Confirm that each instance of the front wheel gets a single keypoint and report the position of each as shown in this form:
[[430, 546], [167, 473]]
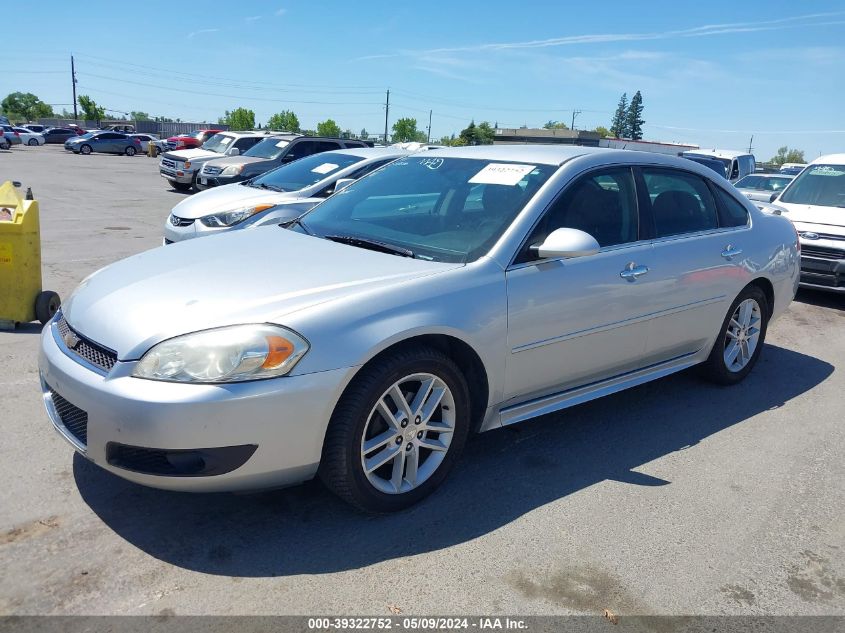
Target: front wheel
[[130, 151], [397, 430], [740, 340], [180, 186], [85, 149], [32, 142]]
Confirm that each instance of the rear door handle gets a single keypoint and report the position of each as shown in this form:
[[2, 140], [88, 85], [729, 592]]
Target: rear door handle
[[632, 271], [731, 252]]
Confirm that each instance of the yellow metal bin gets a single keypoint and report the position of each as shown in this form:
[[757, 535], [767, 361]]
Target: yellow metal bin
[[21, 297]]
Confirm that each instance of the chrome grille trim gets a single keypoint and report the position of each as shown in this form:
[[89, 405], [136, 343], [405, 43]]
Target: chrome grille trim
[[95, 355]]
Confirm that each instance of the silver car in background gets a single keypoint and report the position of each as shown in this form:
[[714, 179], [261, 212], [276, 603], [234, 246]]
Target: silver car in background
[[276, 196], [449, 292], [761, 187]]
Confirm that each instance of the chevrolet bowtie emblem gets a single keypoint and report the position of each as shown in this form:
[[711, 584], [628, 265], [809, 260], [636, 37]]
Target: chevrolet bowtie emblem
[[70, 339]]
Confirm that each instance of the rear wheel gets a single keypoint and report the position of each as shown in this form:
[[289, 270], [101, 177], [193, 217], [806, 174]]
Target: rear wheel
[[85, 149], [740, 340], [397, 430]]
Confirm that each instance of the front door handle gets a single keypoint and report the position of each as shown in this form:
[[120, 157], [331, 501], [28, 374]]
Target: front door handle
[[731, 252], [632, 271]]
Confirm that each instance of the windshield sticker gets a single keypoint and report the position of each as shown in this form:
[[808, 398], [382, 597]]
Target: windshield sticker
[[324, 168], [501, 174], [282, 143], [226, 140], [431, 163], [828, 170]]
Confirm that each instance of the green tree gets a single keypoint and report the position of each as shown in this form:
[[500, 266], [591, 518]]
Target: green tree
[[634, 118], [619, 125], [602, 131], [405, 130], [239, 119], [468, 135], [484, 134], [284, 120], [90, 110], [364, 134], [328, 128], [786, 155], [555, 125], [25, 106]]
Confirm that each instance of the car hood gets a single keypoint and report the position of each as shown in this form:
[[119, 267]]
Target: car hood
[[257, 276], [237, 160], [190, 154], [228, 198], [831, 217]]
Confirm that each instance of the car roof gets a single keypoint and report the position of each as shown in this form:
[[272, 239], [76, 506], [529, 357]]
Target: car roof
[[527, 153], [719, 153], [371, 152], [830, 159]]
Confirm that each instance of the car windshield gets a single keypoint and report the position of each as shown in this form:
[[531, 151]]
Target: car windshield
[[305, 171], [268, 148], [439, 209], [217, 143], [822, 185], [764, 183]]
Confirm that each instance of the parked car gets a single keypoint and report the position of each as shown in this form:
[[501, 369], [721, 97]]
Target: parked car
[[12, 137], [192, 140], [815, 202], [123, 128], [104, 142], [266, 155], [761, 186], [712, 163], [449, 292], [278, 196], [181, 168], [58, 134], [28, 137], [34, 127], [144, 140], [792, 169], [737, 164]]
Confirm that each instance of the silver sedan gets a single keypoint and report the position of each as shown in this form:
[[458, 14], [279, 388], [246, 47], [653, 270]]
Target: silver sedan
[[446, 293]]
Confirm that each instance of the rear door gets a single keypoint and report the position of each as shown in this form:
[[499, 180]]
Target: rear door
[[698, 259]]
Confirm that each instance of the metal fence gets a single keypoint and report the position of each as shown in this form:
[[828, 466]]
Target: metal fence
[[161, 128]]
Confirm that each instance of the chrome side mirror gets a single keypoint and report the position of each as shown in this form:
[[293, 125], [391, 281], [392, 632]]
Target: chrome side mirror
[[566, 242]]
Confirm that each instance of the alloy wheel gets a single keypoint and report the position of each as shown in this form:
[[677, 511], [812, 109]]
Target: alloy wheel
[[742, 335]]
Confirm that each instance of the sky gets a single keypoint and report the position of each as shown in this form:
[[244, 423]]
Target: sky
[[711, 73]]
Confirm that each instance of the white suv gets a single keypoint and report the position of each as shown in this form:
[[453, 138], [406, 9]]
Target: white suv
[[815, 202], [180, 168]]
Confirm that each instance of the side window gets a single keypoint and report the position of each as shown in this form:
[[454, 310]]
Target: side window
[[680, 202], [734, 169], [325, 146], [731, 212], [603, 204], [244, 144], [299, 150], [369, 168]]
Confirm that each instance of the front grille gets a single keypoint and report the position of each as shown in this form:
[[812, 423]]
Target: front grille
[[822, 252], [95, 354], [165, 162], [177, 221], [211, 171], [74, 419]]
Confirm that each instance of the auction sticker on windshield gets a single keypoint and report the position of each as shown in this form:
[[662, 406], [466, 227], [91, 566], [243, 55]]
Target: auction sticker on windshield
[[324, 168], [501, 174], [828, 170]]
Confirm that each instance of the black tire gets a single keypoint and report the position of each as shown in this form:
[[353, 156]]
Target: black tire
[[340, 466], [130, 151], [157, 151], [85, 149], [715, 368], [193, 186], [32, 142], [180, 186], [46, 305]]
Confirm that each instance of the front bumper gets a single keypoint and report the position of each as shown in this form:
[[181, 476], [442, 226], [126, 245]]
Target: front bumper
[[823, 265], [178, 175], [283, 419], [207, 182]]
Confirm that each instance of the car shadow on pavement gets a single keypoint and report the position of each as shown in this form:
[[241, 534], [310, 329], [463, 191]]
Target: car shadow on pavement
[[502, 475], [821, 298]]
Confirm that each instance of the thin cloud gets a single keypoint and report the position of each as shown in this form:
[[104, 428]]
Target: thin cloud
[[252, 18], [201, 31], [280, 12], [798, 21]]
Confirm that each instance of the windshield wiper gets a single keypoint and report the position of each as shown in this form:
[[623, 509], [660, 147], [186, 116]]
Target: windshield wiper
[[374, 245], [295, 221]]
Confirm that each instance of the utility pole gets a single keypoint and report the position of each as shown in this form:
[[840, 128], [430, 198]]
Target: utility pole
[[428, 136], [574, 114], [751, 145], [386, 113], [73, 81]]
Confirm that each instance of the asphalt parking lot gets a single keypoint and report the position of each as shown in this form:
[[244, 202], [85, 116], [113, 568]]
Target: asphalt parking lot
[[677, 497]]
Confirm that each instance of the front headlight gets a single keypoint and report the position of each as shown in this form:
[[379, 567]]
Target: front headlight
[[228, 354], [230, 218], [232, 170]]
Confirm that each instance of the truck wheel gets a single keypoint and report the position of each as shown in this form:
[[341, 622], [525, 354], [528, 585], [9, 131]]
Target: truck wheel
[[180, 186], [46, 305]]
